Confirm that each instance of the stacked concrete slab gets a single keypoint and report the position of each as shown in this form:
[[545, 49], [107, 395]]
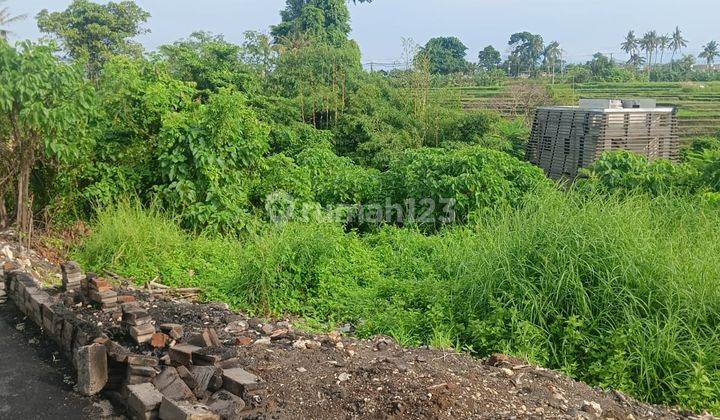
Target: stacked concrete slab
[[72, 276], [566, 139]]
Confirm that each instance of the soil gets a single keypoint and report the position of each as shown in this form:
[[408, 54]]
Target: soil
[[338, 376]]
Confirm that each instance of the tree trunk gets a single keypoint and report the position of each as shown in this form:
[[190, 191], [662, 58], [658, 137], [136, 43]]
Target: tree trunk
[[3, 209], [24, 203]]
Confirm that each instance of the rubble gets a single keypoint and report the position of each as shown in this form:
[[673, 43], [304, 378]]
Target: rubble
[[144, 401], [91, 363], [179, 410]]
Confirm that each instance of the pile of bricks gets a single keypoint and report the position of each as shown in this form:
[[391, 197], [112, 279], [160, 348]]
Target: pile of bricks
[[197, 377], [101, 292], [72, 276], [138, 322]]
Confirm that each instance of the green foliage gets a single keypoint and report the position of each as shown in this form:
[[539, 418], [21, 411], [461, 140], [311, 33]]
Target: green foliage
[[206, 157], [489, 58], [445, 55], [209, 61], [94, 32], [476, 179], [631, 306]]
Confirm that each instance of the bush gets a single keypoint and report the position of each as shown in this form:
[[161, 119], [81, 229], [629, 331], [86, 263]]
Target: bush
[[474, 178]]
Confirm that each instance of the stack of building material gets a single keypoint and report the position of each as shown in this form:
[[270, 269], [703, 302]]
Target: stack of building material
[[72, 276], [138, 322], [100, 292], [567, 139]]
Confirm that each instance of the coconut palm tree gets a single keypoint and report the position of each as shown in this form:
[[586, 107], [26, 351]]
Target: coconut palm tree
[[5, 19], [709, 53], [663, 44], [552, 55], [678, 42], [636, 61], [630, 45], [649, 43]]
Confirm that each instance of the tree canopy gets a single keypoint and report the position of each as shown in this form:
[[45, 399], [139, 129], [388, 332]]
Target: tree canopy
[[445, 55], [94, 32]]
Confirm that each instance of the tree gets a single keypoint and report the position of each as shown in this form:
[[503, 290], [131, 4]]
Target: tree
[[677, 42], [636, 61], [5, 19], [630, 45], [710, 53], [489, 58], [209, 61], [445, 55], [94, 32], [259, 52], [48, 105], [663, 44], [649, 44], [552, 56], [328, 20], [527, 49]]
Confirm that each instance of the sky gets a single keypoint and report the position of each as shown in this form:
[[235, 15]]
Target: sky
[[582, 27]]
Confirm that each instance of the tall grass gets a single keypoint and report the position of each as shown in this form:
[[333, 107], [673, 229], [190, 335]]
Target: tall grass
[[619, 292]]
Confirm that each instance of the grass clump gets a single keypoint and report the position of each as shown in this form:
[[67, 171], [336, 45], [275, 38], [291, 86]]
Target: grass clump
[[621, 292]]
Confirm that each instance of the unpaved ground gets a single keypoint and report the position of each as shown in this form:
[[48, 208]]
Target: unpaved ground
[[334, 376]]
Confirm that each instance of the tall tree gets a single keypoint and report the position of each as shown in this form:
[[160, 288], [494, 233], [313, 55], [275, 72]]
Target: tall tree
[[209, 61], [527, 49], [489, 58], [6, 19], [709, 53], [630, 45], [649, 44], [94, 32], [552, 56], [663, 44], [328, 20], [445, 55], [47, 104], [678, 42]]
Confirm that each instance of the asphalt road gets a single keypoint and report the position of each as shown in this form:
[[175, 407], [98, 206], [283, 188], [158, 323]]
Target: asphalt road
[[35, 382]]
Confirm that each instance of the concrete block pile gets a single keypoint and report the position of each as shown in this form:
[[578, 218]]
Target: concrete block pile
[[175, 376], [138, 322], [72, 276]]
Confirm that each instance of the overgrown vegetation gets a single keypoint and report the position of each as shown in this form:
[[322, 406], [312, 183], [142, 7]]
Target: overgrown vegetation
[[225, 167]]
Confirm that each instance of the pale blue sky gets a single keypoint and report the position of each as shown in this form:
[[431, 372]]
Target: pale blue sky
[[582, 27]]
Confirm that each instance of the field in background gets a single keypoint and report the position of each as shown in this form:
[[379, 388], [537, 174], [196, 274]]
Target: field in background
[[698, 103]]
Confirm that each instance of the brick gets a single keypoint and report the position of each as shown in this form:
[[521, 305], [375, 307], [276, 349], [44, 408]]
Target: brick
[[206, 378], [142, 333], [175, 331], [91, 363], [116, 351], [138, 360], [169, 383], [207, 338], [239, 381], [145, 371], [125, 299], [159, 340], [227, 405], [143, 398], [182, 354], [178, 410]]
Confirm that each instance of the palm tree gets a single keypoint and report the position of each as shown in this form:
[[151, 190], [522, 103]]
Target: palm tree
[[678, 42], [664, 43], [636, 61], [6, 19], [630, 45], [709, 53], [552, 55], [649, 43]]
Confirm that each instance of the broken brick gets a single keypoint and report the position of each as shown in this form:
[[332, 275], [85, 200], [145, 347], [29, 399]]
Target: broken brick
[[180, 410], [92, 370]]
